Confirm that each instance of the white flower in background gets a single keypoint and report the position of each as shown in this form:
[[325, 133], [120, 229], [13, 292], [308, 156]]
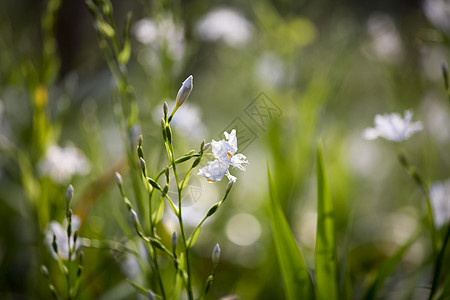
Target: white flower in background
[[224, 152], [161, 33], [440, 202], [270, 69], [187, 121], [60, 231], [61, 164], [392, 127], [438, 12], [386, 42], [227, 25]]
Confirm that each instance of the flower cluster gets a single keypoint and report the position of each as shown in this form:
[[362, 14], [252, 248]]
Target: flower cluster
[[59, 232], [224, 152]]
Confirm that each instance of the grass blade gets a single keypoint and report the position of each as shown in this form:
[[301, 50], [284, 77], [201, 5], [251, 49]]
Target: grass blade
[[296, 279], [387, 269], [325, 252]]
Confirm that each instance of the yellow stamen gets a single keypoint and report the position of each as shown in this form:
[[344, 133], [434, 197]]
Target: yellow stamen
[[209, 180], [229, 154]]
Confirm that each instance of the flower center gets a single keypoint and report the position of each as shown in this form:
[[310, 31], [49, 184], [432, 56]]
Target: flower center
[[209, 180], [229, 154]]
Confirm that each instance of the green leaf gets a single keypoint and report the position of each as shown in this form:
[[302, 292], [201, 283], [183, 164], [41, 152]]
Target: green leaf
[[193, 238], [325, 252], [295, 275], [158, 213], [387, 269]]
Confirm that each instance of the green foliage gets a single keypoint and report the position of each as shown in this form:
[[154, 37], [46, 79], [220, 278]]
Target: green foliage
[[296, 278]]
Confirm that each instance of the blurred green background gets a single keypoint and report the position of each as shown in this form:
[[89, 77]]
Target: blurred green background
[[328, 67]]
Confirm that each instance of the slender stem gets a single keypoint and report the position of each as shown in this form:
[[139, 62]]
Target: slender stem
[[424, 188], [180, 220]]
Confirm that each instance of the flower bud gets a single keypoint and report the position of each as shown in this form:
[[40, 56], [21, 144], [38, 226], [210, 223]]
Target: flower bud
[[69, 194], [44, 271], [119, 179], [166, 172], [184, 91], [151, 295], [206, 147], [174, 241], [143, 166], [134, 219], [216, 255], [140, 140], [54, 244], [165, 109]]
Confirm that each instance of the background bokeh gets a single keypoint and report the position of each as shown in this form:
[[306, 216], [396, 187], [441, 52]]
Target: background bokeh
[[328, 66]]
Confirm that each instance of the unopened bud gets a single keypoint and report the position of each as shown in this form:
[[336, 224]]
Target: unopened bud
[[202, 145], [165, 109], [134, 218], [216, 255], [143, 165], [119, 179], [69, 194], [54, 244], [163, 126], [229, 186], [196, 162], [174, 241], [140, 140], [151, 295], [166, 172], [44, 271], [184, 91], [206, 147]]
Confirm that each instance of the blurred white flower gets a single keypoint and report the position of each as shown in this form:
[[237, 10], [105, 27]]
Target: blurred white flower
[[440, 202], [161, 33], [438, 12], [227, 25], [386, 42], [61, 164], [270, 69], [60, 231], [392, 127], [225, 153], [187, 121]]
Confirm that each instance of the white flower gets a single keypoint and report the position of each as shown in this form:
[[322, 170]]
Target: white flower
[[386, 42], [55, 228], [62, 163], [440, 202], [227, 25], [224, 152], [392, 127], [161, 33]]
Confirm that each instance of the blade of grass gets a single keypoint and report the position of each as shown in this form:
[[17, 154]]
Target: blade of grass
[[325, 252], [387, 268], [296, 278]]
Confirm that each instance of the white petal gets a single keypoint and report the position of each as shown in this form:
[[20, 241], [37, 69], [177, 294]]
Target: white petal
[[238, 160], [214, 171]]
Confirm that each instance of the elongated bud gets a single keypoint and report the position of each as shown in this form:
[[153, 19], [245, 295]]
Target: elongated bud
[[206, 147], [119, 179], [216, 255], [44, 271], [212, 210], [208, 284], [229, 186], [140, 140], [54, 244], [143, 166], [165, 109], [196, 162], [202, 145], [151, 295], [134, 219], [174, 241], [183, 94], [127, 202], [166, 172], [69, 215], [169, 133], [185, 90], [69, 194], [154, 183], [75, 237]]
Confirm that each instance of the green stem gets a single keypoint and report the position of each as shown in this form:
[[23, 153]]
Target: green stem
[[180, 220], [424, 188]]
